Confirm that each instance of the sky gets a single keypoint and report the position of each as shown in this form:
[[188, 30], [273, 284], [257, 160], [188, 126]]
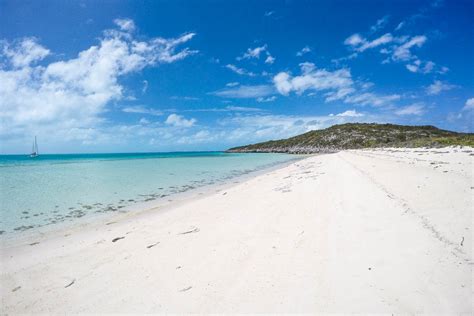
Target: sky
[[147, 76]]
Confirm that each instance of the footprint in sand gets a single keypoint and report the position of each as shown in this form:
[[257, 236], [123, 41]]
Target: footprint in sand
[[192, 229], [153, 245], [186, 289]]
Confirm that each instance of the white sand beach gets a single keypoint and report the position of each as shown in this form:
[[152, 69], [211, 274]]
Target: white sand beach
[[364, 231]]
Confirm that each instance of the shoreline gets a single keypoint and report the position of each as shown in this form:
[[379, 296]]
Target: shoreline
[[360, 231], [34, 235]]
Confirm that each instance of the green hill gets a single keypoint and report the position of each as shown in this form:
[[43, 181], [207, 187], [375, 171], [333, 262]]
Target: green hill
[[362, 135]]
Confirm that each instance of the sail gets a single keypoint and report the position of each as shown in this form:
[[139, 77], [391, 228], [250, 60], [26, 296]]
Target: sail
[[34, 149]]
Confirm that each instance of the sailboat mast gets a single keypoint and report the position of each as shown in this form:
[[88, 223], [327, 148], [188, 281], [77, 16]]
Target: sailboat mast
[[36, 146]]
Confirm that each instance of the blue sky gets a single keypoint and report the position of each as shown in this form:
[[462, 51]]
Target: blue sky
[[119, 76]]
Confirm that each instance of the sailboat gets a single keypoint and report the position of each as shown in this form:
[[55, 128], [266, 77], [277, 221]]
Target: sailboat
[[34, 151]]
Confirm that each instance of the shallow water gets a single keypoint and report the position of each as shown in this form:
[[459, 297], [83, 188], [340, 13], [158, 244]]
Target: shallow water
[[53, 189]]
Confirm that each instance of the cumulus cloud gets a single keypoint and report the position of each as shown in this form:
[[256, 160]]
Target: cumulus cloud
[[179, 121], [438, 86], [69, 95], [23, 52], [312, 79], [413, 109]]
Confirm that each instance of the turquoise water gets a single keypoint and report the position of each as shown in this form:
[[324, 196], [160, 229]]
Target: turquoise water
[[53, 189]]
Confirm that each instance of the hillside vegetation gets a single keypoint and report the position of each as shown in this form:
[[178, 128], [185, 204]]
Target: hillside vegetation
[[362, 135]]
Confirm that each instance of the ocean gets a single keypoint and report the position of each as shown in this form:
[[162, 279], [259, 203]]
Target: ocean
[[59, 189]]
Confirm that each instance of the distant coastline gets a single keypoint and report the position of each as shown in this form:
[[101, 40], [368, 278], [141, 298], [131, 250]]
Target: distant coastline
[[359, 136]]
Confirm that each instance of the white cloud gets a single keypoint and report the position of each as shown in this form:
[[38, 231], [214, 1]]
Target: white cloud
[[68, 96], [312, 79], [403, 52], [350, 113], [184, 98], [269, 99], [399, 51], [23, 52], [232, 84], [437, 87], [203, 136], [360, 44], [303, 51], [369, 98], [469, 105], [141, 110], [426, 67], [229, 108], [339, 94], [126, 25], [339, 84], [253, 52], [239, 71], [243, 92], [379, 24], [414, 109], [412, 68], [270, 59], [179, 121], [354, 40], [382, 40], [400, 26], [242, 109], [269, 13], [282, 83], [144, 121]]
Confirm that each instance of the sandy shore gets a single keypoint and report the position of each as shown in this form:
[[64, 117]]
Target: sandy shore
[[379, 231]]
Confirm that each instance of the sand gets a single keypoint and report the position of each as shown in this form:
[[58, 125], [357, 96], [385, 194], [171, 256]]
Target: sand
[[366, 231]]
